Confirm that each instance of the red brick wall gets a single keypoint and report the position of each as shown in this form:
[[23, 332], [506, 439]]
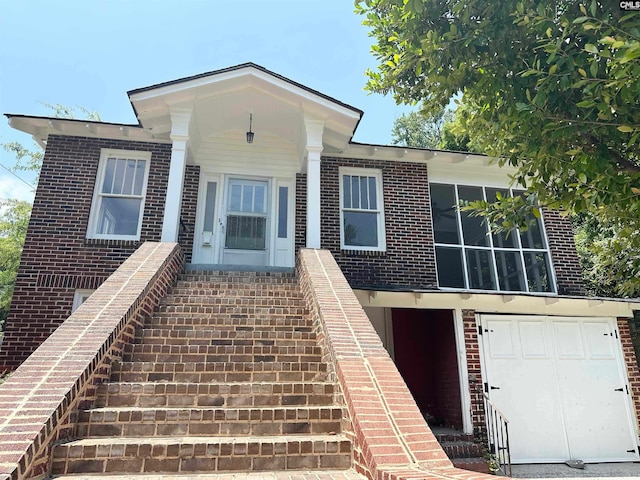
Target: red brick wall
[[57, 256], [473, 368], [563, 253], [409, 260], [633, 373]]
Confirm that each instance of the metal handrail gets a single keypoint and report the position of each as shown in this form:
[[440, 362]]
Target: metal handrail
[[497, 435]]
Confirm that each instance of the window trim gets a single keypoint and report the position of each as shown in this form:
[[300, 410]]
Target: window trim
[[377, 174], [492, 248], [79, 297], [105, 154]]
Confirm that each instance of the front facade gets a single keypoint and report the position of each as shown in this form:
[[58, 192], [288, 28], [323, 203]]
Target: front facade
[[464, 314]]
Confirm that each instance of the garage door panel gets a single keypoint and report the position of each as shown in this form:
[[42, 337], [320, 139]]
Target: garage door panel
[[501, 339], [599, 340], [568, 340], [532, 339]]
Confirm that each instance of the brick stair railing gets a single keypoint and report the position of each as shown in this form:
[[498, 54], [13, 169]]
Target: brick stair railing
[[227, 376]]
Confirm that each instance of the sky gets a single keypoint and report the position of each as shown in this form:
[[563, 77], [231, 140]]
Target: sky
[[90, 53]]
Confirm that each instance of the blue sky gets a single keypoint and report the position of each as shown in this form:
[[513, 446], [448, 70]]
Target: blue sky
[[90, 53]]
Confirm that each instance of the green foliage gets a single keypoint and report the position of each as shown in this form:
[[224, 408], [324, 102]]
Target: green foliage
[[549, 87], [439, 130], [14, 220]]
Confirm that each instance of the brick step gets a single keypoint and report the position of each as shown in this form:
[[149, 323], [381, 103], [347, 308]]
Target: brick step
[[170, 336], [228, 336], [213, 394], [229, 347], [462, 449], [273, 475], [227, 321], [453, 437], [229, 299], [259, 355], [192, 421], [271, 279], [266, 311], [475, 464], [202, 454], [237, 291], [221, 339], [218, 372]]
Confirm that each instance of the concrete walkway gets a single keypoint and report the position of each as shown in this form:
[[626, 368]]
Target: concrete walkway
[[630, 471]]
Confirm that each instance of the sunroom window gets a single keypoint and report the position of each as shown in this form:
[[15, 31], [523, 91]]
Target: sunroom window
[[361, 210], [468, 256], [118, 200]]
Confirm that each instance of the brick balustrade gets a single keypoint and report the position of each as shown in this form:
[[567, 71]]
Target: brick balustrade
[[391, 439], [39, 402]]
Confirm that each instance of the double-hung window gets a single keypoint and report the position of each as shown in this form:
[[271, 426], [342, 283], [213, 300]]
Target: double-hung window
[[361, 210], [119, 195], [468, 256]]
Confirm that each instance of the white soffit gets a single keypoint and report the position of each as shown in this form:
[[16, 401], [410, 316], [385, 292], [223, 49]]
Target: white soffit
[[500, 303], [223, 100]]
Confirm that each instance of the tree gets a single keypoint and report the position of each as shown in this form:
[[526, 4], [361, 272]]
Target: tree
[[14, 220], [438, 131], [549, 87]]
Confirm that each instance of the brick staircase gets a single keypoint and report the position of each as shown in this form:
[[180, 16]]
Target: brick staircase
[[463, 450], [225, 377]]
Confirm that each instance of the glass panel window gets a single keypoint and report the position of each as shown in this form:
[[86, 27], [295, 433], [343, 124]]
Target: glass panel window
[[453, 274], [118, 203], [480, 269], [362, 214], [443, 212], [474, 229], [537, 267], [510, 274], [468, 256]]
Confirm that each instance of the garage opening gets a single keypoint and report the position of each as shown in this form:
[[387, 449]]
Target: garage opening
[[425, 353]]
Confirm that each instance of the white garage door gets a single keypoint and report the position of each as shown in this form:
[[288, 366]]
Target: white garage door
[[561, 384]]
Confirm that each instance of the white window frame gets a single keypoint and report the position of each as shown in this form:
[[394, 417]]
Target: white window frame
[[79, 297], [105, 154], [493, 248], [369, 172]]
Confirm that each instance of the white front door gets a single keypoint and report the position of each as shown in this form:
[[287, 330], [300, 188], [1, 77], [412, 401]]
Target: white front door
[[245, 222], [561, 383]]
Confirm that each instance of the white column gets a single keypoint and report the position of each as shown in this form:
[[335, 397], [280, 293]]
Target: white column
[[314, 149], [180, 136]]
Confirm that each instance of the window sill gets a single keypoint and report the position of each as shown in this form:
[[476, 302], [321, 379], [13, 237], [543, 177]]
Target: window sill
[[348, 252], [110, 242]]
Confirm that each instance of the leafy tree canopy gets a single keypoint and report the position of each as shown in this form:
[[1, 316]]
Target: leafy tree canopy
[[548, 86]]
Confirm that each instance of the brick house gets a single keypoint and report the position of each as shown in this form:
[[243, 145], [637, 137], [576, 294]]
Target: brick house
[[460, 311]]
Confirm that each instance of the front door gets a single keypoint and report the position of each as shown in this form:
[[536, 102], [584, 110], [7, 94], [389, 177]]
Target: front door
[[245, 222]]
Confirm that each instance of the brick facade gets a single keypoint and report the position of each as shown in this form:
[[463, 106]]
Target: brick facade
[[57, 257], [566, 264], [631, 364], [474, 371], [409, 259]]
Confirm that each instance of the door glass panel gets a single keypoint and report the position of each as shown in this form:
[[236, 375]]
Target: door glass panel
[[450, 272], [480, 269], [283, 209], [245, 232], [247, 198], [209, 208], [510, 271], [235, 198]]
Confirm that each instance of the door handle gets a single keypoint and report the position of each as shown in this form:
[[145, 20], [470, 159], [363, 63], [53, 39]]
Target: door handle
[[494, 388]]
